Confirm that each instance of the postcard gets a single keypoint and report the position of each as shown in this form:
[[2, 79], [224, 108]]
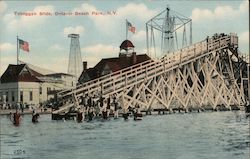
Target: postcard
[[131, 79]]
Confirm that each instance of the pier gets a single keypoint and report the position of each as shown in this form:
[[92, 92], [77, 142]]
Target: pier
[[210, 74]]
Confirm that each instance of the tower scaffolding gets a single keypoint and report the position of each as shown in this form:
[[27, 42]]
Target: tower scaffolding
[[75, 59], [169, 25]]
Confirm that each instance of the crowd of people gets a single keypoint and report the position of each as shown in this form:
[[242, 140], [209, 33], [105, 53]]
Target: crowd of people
[[16, 117], [9, 106], [101, 107], [89, 108]]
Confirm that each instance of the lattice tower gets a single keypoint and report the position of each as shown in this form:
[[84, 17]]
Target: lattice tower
[[75, 59], [171, 28]]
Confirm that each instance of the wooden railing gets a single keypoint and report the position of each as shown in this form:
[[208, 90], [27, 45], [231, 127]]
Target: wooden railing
[[117, 81]]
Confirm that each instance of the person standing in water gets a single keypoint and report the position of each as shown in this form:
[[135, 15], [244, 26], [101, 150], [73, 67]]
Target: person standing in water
[[16, 118], [125, 114], [80, 116], [104, 110], [90, 101], [91, 113], [85, 102], [35, 117], [101, 100], [116, 106], [108, 104]]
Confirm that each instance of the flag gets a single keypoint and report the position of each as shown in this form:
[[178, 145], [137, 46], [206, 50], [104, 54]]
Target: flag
[[23, 45], [130, 27]]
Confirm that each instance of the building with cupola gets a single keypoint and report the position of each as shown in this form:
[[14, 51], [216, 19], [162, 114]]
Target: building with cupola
[[127, 57]]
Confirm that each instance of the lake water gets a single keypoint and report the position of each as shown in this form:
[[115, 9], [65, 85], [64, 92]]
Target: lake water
[[207, 135]]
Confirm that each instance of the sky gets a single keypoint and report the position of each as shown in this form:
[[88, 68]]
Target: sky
[[101, 35]]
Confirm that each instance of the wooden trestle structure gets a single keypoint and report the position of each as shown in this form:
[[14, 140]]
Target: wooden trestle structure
[[206, 75]]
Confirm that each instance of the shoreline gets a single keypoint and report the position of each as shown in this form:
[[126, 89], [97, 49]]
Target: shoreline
[[25, 111]]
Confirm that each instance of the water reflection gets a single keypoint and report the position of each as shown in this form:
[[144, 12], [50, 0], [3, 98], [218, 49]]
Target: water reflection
[[193, 135]]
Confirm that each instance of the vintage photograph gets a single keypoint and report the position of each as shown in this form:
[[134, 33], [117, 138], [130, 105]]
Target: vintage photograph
[[131, 79]]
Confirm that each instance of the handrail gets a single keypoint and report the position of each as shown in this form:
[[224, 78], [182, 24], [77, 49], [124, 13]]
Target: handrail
[[147, 68], [109, 75]]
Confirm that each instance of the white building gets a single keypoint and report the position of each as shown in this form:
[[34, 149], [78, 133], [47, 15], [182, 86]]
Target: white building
[[22, 84]]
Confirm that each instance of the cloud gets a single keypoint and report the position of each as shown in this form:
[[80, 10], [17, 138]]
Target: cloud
[[106, 23], [244, 37], [244, 42], [224, 11], [154, 52], [139, 40], [244, 6], [139, 36], [56, 50], [198, 14], [73, 30], [101, 49], [27, 22], [57, 65], [6, 47], [91, 61], [3, 6], [85, 7], [7, 56], [56, 47], [101, 22], [220, 12], [138, 11]]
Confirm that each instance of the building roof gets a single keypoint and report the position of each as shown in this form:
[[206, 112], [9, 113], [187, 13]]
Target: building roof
[[118, 63], [20, 73], [90, 72], [58, 75], [126, 45], [141, 58], [41, 70], [114, 64]]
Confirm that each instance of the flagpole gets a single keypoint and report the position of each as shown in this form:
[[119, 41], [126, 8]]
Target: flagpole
[[126, 29], [17, 50]]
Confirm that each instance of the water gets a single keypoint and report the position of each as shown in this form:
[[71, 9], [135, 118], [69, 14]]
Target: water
[[223, 135]]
